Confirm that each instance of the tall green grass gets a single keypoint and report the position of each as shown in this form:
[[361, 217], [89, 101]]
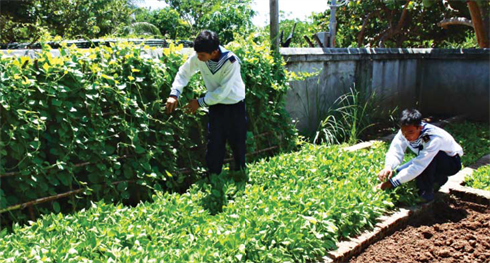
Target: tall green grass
[[348, 118]]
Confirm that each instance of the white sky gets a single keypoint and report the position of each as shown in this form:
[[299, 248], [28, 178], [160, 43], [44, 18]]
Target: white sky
[[292, 8]]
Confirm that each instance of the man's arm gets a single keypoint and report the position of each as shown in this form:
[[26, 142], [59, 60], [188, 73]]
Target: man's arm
[[394, 157], [418, 164], [395, 154], [186, 71]]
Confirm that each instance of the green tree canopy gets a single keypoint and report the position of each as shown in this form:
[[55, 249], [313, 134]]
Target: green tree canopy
[[167, 20], [226, 17], [22, 19], [396, 23]]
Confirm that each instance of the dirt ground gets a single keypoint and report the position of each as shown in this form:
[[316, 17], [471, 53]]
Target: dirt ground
[[453, 231]]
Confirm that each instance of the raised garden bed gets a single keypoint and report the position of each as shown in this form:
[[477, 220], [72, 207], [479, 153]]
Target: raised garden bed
[[296, 207], [480, 179], [467, 133], [452, 231]]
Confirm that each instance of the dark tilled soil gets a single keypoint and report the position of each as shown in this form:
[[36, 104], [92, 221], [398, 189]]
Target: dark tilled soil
[[453, 231]]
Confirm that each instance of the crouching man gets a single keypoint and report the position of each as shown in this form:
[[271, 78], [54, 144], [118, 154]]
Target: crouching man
[[438, 156]]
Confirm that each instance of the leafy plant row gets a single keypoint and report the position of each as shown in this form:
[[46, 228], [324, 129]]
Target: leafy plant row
[[89, 118], [480, 179], [474, 137], [295, 207]]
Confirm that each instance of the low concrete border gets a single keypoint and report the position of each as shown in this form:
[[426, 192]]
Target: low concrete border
[[471, 194], [456, 185], [387, 225]]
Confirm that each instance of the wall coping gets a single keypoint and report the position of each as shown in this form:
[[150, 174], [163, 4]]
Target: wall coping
[[328, 54], [333, 54]]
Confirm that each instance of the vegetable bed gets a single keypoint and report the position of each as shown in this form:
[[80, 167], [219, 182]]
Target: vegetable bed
[[294, 208], [480, 179], [455, 231], [474, 137]]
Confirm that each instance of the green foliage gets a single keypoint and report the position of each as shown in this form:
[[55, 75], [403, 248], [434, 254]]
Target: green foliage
[[74, 19], [381, 23], [11, 31], [90, 118], [480, 178], [226, 17], [474, 137], [70, 19], [349, 116], [141, 29], [168, 21], [469, 42], [295, 208], [306, 27]]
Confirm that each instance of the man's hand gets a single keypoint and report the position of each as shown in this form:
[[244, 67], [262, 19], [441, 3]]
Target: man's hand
[[385, 174], [385, 185], [171, 104], [192, 106]]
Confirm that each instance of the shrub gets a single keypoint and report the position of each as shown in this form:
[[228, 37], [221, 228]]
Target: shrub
[[95, 120]]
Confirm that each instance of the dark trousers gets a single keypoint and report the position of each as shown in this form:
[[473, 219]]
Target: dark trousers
[[226, 123], [438, 171]]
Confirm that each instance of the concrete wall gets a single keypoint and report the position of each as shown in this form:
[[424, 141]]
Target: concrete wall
[[436, 81]]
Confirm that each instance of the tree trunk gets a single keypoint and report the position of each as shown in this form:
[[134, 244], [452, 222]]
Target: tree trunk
[[394, 30], [480, 30], [360, 36], [485, 11]]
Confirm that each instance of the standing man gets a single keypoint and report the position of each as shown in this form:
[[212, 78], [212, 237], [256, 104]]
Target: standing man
[[438, 156], [225, 96]]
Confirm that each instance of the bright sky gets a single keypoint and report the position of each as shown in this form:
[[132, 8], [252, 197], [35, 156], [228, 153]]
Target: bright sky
[[292, 8]]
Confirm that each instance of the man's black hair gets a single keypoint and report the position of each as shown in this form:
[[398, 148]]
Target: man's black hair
[[410, 117], [207, 41]]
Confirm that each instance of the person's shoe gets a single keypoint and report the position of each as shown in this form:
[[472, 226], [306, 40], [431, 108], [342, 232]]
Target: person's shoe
[[426, 197]]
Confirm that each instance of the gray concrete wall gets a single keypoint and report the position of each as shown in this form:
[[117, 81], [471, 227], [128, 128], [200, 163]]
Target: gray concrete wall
[[436, 81]]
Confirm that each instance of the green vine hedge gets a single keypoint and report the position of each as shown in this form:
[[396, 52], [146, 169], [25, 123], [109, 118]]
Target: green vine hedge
[[95, 120]]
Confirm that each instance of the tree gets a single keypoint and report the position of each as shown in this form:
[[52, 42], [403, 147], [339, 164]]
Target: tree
[[302, 28], [394, 23], [226, 17], [480, 15], [479, 11], [66, 18], [167, 20], [17, 21], [95, 18]]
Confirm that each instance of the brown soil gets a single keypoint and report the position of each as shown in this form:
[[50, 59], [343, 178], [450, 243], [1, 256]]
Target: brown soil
[[455, 231]]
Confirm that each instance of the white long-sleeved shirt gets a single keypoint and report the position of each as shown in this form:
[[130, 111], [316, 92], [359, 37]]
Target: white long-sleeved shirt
[[222, 79], [431, 140]]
